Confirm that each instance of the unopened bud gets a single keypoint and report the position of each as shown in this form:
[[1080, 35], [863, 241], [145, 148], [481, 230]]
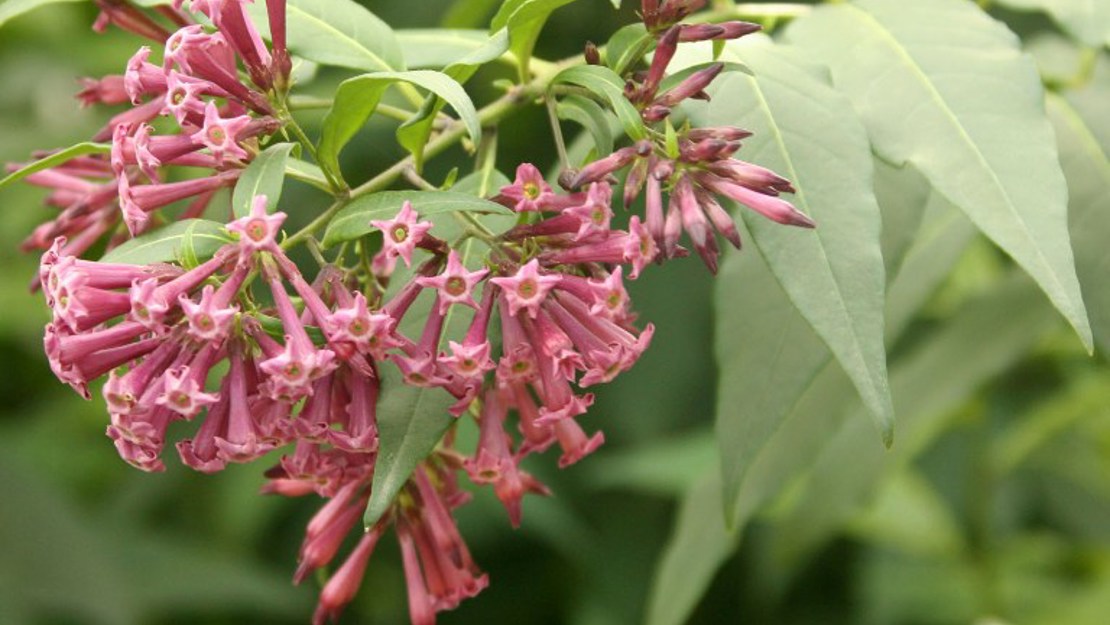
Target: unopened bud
[[593, 57]]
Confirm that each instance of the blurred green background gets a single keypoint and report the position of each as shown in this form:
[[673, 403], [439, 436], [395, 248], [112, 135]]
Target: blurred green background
[[1000, 506]]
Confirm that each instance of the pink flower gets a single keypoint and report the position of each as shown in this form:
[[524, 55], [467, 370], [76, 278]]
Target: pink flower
[[221, 135], [527, 288], [455, 285], [402, 234], [258, 230], [529, 192]]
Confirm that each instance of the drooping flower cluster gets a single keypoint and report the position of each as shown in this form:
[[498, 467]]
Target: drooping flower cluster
[[198, 86], [260, 358]]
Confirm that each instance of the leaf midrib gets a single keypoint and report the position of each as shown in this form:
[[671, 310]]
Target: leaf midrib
[[938, 98], [840, 300]]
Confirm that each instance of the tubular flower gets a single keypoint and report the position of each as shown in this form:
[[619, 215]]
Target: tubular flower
[[262, 357]]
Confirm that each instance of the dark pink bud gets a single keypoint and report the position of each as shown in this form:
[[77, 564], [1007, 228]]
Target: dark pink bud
[[128, 17], [664, 52], [107, 90], [342, 587], [692, 85]]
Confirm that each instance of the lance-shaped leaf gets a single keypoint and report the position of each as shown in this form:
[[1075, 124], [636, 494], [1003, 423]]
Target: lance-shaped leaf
[[940, 374], [834, 275], [264, 176], [590, 116], [437, 48], [190, 241], [968, 112], [1086, 20], [698, 546], [524, 20], [337, 32], [413, 134], [53, 160], [603, 83], [411, 421], [626, 46], [1087, 169], [358, 97], [770, 359], [307, 173], [700, 543], [354, 220], [11, 9]]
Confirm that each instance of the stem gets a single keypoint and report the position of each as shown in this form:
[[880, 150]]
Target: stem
[[557, 132], [487, 159], [411, 94], [337, 186], [307, 103], [542, 71], [321, 220], [317, 253], [417, 180], [489, 114]]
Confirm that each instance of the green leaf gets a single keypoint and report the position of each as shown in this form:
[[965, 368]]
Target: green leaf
[[191, 239], [767, 356], [413, 134], [770, 359], [468, 13], [264, 176], [929, 382], [625, 45], [12, 9], [967, 112], [590, 116], [1086, 20], [1085, 396], [667, 467], [354, 220], [942, 240], [483, 183], [411, 421], [602, 82], [524, 19], [337, 32], [358, 97], [306, 172], [698, 546], [55, 159], [910, 515], [834, 275], [902, 194], [437, 48], [1087, 170]]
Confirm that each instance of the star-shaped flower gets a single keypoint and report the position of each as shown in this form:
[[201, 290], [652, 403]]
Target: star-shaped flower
[[527, 288], [401, 234], [257, 231], [529, 192], [455, 285], [183, 394], [207, 322], [220, 135]]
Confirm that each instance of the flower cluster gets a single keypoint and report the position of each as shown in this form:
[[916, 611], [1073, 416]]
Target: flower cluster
[[159, 331], [698, 165], [260, 358], [218, 118]]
